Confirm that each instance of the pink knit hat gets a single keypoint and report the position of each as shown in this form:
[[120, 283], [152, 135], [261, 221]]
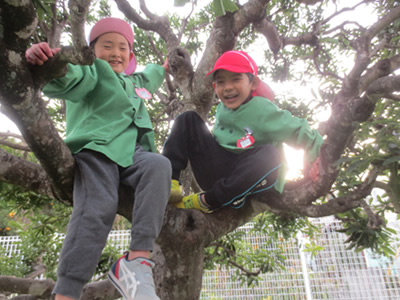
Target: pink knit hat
[[107, 25], [241, 62], [116, 25]]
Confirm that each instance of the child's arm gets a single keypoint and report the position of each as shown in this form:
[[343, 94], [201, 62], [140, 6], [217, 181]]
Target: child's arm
[[152, 76], [38, 54]]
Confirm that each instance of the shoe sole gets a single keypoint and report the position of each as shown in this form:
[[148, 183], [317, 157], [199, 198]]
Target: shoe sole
[[114, 280]]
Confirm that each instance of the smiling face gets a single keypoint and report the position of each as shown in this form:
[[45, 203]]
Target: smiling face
[[233, 88], [114, 49]]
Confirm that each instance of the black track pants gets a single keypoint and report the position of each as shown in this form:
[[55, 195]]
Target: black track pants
[[227, 178]]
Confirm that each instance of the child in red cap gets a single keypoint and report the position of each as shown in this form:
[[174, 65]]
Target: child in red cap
[[110, 134], [241, 157]]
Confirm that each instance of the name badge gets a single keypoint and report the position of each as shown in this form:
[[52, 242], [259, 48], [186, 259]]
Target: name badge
[[143, 93], [245, 141]]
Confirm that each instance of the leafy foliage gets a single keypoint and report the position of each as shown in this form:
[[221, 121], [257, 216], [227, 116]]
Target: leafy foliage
[[361, 236], [249, 261]]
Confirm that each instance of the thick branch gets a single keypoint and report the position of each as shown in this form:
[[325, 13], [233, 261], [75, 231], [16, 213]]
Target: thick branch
[[270, 32], [14, 285], [380, 69], [363, 107], [146, 11], [78, 10], [42, 289], [33, 121], [32, 177], [363, 47]]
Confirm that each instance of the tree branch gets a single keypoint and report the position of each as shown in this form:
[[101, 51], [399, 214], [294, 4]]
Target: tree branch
[[42, 289], [374, 220], [4, 141], [185, 22], [270, 32], [30, 176], [78, 10], [380, 69], [389, 191], [363, 47], [143, 8], [33, 287], [14, 145], [157, 24]]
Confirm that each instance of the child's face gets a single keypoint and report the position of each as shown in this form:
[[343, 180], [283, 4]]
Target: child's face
[[114, 49], [233, 88]]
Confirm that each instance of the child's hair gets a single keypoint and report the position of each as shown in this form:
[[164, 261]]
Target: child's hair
[[108, 25], [241, 62]]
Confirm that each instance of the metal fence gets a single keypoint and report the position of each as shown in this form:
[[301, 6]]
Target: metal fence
[[334, 273]]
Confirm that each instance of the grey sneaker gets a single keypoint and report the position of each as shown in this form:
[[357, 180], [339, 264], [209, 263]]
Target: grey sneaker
[[134, 278]]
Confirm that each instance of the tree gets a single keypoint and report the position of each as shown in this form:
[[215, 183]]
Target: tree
[[361, 138]]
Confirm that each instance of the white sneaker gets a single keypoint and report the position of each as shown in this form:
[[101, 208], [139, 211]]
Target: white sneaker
[[134, 278]]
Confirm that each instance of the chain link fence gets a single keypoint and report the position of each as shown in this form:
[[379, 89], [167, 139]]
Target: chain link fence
[[333, 273]]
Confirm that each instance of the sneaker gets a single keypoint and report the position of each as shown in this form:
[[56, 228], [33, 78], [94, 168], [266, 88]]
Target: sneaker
[[133, 278], [176, 192], [193, 201]]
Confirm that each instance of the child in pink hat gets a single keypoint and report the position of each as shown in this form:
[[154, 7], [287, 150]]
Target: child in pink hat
[[242, 156], [110, 135]]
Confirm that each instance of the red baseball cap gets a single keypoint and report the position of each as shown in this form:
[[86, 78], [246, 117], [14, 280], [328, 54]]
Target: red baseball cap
[[116, 25], [236, 62], [241, 62]]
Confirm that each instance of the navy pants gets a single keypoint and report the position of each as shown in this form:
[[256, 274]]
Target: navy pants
[[227, 178]]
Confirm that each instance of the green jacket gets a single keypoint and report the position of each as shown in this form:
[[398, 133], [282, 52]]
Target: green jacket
[[104, 111], [268, 125]]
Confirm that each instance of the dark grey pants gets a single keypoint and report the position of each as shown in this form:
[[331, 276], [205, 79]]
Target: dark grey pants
[[97, 179]]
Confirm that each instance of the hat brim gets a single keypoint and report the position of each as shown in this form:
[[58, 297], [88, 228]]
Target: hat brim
[[230, 68]]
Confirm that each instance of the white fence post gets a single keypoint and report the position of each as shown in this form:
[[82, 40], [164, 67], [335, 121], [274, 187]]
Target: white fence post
[[304, 270]]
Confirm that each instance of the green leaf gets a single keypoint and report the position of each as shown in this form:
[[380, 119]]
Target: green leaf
[[359, 165], [230, 5], [391, 160], [218, 7], [222, 6], [180, 2]]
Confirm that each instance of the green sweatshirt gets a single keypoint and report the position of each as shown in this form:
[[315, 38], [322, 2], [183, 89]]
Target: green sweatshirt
[[105, 112], [268, 125]]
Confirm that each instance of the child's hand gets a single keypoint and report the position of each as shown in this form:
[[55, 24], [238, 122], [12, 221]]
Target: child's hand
[[313, 173], [165, 65], [38, 54]]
